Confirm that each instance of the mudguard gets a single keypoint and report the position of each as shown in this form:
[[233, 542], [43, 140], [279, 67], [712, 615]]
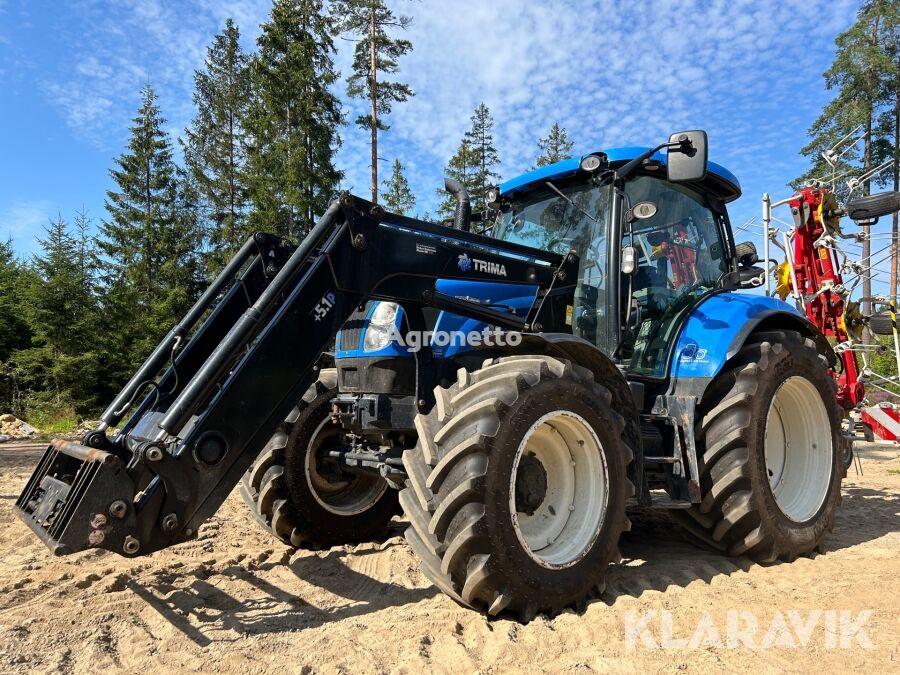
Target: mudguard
[[718, 327]]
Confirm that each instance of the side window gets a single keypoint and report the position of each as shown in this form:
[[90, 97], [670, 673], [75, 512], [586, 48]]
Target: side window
[[680, 260]]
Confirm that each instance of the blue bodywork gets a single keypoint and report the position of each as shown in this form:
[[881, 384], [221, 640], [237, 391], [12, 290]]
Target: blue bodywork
[[569, 167], [711, 334], [514, 298], [716, 328]]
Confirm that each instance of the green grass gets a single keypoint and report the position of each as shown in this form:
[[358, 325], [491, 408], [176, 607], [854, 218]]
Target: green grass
[[54, 421], [894, 472]]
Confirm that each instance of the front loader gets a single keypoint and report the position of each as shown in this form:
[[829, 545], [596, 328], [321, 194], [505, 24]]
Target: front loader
[[617, 365]]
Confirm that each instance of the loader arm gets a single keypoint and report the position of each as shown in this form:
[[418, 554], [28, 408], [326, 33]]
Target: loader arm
[[212, 394]]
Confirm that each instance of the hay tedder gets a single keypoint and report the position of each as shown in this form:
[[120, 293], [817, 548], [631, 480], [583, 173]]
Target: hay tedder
[[511, 390]]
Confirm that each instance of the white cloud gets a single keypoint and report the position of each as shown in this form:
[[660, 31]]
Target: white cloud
[[23, 222], [613, 72]]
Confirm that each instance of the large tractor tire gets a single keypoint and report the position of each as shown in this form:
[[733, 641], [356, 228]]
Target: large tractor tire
[[772, 453], [516, 490], [302, 505]]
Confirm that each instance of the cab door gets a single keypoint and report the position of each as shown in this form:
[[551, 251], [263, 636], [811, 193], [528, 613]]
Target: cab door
[[680, 259]]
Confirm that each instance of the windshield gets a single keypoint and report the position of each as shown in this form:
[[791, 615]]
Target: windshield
[[579, 220]]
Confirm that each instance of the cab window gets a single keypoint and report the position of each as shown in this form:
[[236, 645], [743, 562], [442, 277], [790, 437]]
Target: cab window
[[679, 261]]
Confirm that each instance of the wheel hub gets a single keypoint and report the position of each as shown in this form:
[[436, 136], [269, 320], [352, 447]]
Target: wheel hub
[[559, 489], [334, 490], [531, 485]]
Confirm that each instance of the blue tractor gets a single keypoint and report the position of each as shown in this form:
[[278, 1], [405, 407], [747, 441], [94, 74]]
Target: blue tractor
[[512, 390]]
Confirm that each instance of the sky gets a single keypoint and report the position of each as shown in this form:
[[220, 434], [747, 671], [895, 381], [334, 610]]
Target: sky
[[613, 73]]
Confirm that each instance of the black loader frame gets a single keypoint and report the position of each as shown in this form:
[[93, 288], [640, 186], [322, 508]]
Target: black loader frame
[[225, 385]]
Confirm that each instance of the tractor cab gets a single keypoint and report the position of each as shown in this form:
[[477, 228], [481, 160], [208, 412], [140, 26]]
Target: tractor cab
[[650, 248]]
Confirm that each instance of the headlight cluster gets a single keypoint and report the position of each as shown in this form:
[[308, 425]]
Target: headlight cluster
[[381, 326]]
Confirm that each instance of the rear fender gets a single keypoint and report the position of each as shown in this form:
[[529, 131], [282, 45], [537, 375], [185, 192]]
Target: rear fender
[[716, 330], [713, 334]]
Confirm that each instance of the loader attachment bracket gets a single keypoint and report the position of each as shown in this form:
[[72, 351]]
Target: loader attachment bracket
[[79, 498]]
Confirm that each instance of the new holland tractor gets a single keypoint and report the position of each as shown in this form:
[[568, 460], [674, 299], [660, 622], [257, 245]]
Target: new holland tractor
[[608, 360]]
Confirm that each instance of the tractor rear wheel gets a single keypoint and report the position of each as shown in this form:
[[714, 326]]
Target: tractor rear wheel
[[292, 493], [772, 452], [516, 490]]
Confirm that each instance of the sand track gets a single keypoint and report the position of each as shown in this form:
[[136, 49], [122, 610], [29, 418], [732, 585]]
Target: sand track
[[236, 600]]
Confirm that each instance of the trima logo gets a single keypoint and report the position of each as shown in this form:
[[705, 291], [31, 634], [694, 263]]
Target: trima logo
[[467, 264]]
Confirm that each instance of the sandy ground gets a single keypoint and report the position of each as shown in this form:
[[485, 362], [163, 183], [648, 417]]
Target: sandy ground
[[237, 601]]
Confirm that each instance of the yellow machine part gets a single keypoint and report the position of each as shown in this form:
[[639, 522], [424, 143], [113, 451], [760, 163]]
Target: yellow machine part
[[783, 280]]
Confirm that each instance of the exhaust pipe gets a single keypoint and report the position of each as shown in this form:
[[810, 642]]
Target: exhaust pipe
[[463, 207]]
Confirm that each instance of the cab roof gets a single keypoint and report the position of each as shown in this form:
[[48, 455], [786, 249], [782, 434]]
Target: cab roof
[[718, 179]]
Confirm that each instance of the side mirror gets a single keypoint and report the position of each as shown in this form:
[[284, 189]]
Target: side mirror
[[869, 209], [687, 156]]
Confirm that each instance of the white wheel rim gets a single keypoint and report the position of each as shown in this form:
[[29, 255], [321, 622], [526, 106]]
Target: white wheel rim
[[798, 449], [560, 531], [342, 498]]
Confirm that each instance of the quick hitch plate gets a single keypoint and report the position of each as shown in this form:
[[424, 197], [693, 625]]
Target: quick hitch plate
[[80, 498]]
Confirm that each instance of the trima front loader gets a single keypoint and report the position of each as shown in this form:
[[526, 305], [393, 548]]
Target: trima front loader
[[621, 366]]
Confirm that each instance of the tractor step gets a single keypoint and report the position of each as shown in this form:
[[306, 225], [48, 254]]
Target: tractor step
[[79, 498], [660, 499]]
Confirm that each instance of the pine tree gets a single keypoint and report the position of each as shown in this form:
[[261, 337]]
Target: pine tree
[[376, 52], [215, 145], [149, 251], [555, 147], [861, 74], [397, 195], [292, 120], [886, 144]]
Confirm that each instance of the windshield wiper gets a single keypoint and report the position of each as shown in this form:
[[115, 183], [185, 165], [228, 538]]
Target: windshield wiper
[[568, 199], [574, 205]]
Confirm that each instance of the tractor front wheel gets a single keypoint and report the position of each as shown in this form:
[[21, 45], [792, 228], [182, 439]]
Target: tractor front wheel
[[293, 494], [516, 490]]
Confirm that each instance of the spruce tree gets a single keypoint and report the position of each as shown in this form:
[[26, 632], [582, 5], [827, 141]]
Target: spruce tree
[[14, 332], [292, 120], [215, 145], [397, 195], [463, 166], [376, 53], [60, 368], [481, 142], [474, 162], [149, 252], [555, 147]]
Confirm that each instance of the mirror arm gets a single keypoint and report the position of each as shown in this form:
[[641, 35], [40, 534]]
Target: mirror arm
[[623, 173]]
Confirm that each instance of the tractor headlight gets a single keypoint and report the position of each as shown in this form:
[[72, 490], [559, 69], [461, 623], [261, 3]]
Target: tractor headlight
[[381, 326]]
